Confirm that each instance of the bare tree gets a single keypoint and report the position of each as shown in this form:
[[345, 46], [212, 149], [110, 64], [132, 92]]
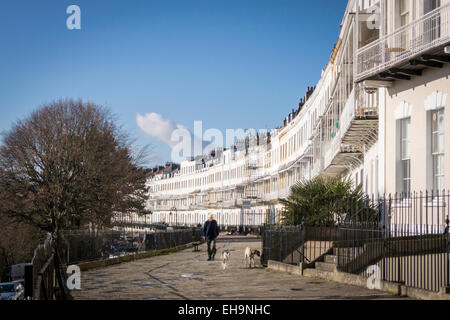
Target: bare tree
[[67, 165], [17, 242]]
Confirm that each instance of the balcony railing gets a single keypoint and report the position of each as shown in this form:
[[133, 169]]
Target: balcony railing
[[430, 31], [317, 168], [367, 103], [230, 203], [271, 196], [345, 119], [162, 207], [284, 193]]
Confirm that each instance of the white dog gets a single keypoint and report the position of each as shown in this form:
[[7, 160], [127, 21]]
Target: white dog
[[225, 258], [250, 257]]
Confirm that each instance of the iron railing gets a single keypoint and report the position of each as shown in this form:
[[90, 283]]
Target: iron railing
[[85, 245], [408, 243], [430, 31], [297, 244], [401, 238], [48, 278]]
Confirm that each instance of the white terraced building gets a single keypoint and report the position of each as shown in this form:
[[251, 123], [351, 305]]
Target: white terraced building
[[377, 115]]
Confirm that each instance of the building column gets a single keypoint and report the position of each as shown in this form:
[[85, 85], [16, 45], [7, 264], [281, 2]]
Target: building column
[[382, 141]]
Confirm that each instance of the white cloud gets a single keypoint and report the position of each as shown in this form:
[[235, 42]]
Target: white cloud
[[156, 126], [162, 129]]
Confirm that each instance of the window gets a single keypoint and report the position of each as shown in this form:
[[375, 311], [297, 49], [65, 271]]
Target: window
[[405, 156], [432, 27], [430, 5], [404, 12], [437, 149], [402, 19]]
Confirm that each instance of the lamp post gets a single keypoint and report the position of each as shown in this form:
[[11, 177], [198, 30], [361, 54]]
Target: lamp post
[[176, 214]]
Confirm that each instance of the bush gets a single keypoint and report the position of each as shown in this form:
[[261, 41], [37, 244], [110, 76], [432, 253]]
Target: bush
[[324, 200]]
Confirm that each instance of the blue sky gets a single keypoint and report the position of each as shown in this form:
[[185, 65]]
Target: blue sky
[[232, 64]]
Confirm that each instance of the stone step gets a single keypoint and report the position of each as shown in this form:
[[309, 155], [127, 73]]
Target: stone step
[[331, 259], [324, 266], [348, 251], [315, 273]]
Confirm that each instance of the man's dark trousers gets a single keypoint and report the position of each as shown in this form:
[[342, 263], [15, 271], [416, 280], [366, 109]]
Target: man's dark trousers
[[211, 232], [211, 247]]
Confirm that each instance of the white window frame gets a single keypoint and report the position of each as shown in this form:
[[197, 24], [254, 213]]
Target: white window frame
[[436, 101], [405, 179], [440, 153], [404, 12]]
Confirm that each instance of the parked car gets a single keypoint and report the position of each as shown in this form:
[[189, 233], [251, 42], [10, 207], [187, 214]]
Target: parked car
[[12, 291], [15, 272], [6, 277]]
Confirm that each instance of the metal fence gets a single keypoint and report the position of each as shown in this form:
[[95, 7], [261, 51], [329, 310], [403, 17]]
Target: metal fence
[[43, 272], [50, 260], [408, 243], [282, 244], [402, 238], [297, 244], [47, 277], [80, 246]]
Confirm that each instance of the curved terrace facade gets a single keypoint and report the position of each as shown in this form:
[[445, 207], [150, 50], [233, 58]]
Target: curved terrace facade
[[348, 124]]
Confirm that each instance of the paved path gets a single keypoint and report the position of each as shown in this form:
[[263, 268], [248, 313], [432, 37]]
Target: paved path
[[187, 275]]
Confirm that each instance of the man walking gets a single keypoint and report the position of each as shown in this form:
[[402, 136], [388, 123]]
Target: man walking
[[210, 233]]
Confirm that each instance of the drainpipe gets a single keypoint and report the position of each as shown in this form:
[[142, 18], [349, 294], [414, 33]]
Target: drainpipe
[[223, 164], [381, 141], [356, 39], [383, 23], [364, 169]]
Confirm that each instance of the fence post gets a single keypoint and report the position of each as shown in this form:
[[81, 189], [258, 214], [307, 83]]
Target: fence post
[[447, 230], [302, 230], [281, 244], [57, 266], [382, 236]]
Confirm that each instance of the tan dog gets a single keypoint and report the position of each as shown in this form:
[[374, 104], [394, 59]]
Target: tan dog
[[250, 257]]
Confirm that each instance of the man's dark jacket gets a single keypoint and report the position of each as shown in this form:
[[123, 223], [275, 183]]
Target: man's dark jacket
[[210, 230]]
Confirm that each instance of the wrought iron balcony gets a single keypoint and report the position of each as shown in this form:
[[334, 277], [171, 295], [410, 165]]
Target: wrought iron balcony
[[317, 167], [357, 130], [272, 196], [405, 44]]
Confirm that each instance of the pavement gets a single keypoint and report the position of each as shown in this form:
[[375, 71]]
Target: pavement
[[187, 275]]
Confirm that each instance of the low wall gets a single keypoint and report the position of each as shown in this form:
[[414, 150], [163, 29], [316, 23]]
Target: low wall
[[288, 268], [356, 280]]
